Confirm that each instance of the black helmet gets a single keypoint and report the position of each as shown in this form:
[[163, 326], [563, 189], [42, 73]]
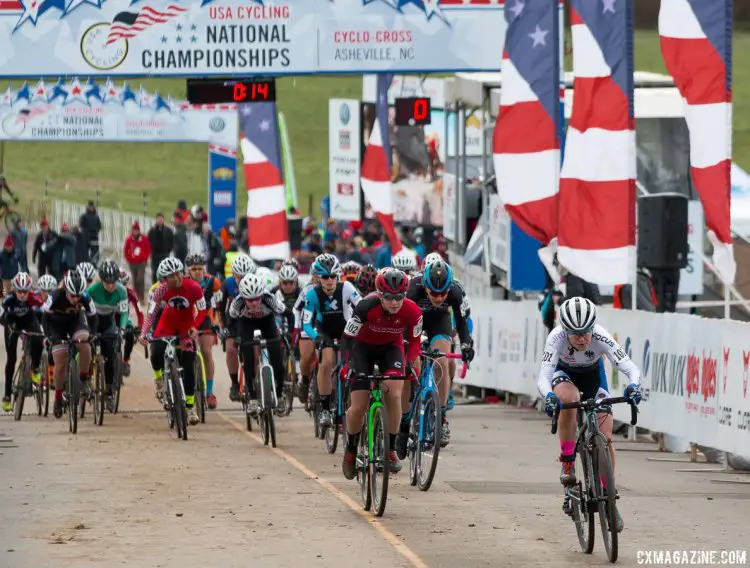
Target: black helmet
[[438, 277], [109, 272], [195, 260], [366, 279]]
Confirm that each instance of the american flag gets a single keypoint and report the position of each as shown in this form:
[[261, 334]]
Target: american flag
[[376, 166], [696, 43], [596, 235], [130, 24], [268, 233], [526, 142]]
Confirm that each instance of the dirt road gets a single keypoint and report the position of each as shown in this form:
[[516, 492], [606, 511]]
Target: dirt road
[[129, 493]]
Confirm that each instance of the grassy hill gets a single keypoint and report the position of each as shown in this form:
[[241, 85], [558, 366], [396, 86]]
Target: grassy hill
[[168, 172]]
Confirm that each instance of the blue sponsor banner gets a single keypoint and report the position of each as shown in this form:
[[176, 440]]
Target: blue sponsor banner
[[527, 273], [222, 188]]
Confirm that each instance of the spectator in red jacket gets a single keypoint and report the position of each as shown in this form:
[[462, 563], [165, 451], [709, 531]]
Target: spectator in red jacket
[[137, 251]]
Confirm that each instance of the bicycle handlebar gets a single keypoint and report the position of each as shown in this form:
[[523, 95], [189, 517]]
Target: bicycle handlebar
[[592, 404], [242, 342], [437, 354]]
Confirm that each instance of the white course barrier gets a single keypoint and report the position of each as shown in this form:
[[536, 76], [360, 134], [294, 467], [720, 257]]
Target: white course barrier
[[695, 370]]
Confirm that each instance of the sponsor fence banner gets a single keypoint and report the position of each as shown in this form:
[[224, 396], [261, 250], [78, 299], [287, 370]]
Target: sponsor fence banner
[[205, 37], [345, 158], [695, 371]]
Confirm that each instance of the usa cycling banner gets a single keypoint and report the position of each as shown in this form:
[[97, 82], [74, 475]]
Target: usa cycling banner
[[86, 111], [221, 37]]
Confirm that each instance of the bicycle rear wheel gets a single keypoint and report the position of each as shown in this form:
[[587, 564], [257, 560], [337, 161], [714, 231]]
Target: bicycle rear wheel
[[582, 508], [200, 390], [608, 503], [379, 461], [46, 383], [73, 393], [428, 438], [19, 390], [332, 433], [39, 395], [245, 398], [99, 398], [117, 385]]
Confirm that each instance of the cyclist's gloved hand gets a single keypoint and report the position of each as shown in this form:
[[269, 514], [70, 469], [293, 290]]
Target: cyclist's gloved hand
[[467, 352], [551, 402], [633, 392]]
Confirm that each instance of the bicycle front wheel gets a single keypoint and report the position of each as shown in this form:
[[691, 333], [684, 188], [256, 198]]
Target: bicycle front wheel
[[363, 469], [72, 390], [579, 496], [332, 433], [379, 459], [608, 494], [99, 402], [46, 384], [178, 402], [429, 415]]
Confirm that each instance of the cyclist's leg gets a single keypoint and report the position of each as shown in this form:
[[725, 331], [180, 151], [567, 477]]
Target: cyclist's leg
[[325, 384], [270, 330], [232, 359], [108, 351], [566, 388], [361, 362], [186, 356], [245, 329], [605, 414], [157, 364], [391, 363], [11, 354], [206, 343], [306, 359], [128, 344], [31, 324]]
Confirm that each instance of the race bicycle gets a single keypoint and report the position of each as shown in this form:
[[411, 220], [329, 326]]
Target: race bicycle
[[338, 399], [174, 388], [22, 383], [372, 460], [425, 418], [595, 490], [265, 387]]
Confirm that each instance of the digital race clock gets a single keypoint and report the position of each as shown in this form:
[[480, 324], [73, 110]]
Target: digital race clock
[[217, 91], [413, 111]]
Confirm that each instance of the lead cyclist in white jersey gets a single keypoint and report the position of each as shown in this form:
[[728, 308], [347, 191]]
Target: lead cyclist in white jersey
[[572, 367]]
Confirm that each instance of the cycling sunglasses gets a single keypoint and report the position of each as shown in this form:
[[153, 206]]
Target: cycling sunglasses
[[393, 297], [253, 301], [329, 277], [579, 334], [437, 294]]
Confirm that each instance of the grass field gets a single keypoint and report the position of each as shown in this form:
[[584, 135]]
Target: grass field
[[168, 172]]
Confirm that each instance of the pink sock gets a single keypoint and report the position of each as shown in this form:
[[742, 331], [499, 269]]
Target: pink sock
[[604, 482], [567, 448]]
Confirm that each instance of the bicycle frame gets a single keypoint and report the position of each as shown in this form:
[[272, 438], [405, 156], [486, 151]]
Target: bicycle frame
[[171, 354], [261, 354]]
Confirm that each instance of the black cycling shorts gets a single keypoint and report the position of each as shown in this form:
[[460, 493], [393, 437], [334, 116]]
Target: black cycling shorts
[[591, 382], [206, 324], [364, 356], [64, 329], [440, 327]]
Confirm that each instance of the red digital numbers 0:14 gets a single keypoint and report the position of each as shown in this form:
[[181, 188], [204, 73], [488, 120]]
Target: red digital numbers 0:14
[[242, 92]]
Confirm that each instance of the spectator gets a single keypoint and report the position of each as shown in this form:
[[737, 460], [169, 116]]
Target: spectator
[[383, 255], [418, 245], [312, 245], [200, 216], [215, 252], [180, 247], [161, 239], [44, 249], [20, 241], [9, 264], [227, 234], [82, 247], [137, 251], [66, 249], [646, 300], [575, 286], [195, 242], [353, 253], [91, 225], [549, 301], [182, 212]]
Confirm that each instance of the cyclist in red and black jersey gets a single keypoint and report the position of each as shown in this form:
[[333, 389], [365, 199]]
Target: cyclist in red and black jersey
[[375, 335], [184, 308]]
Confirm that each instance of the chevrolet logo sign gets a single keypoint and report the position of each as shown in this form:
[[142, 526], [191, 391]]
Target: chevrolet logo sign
[[223, 173]]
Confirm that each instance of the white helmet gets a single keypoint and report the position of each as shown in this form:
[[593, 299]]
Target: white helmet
[[432, 257], [252, 287], [287, 273], [266, 276], [22, 282], [75, 283], [243, 265], [169, 266], [47, 283], [87, 270], [578, 315], [405, 262]]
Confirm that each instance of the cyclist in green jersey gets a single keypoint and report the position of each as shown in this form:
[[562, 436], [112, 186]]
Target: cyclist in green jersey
[[111, 302]]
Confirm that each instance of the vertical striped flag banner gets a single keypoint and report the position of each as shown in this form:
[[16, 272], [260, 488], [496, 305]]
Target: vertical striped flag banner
[[268, 233], [696, 43], [526, 140], [376, 166], [597, 184]]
